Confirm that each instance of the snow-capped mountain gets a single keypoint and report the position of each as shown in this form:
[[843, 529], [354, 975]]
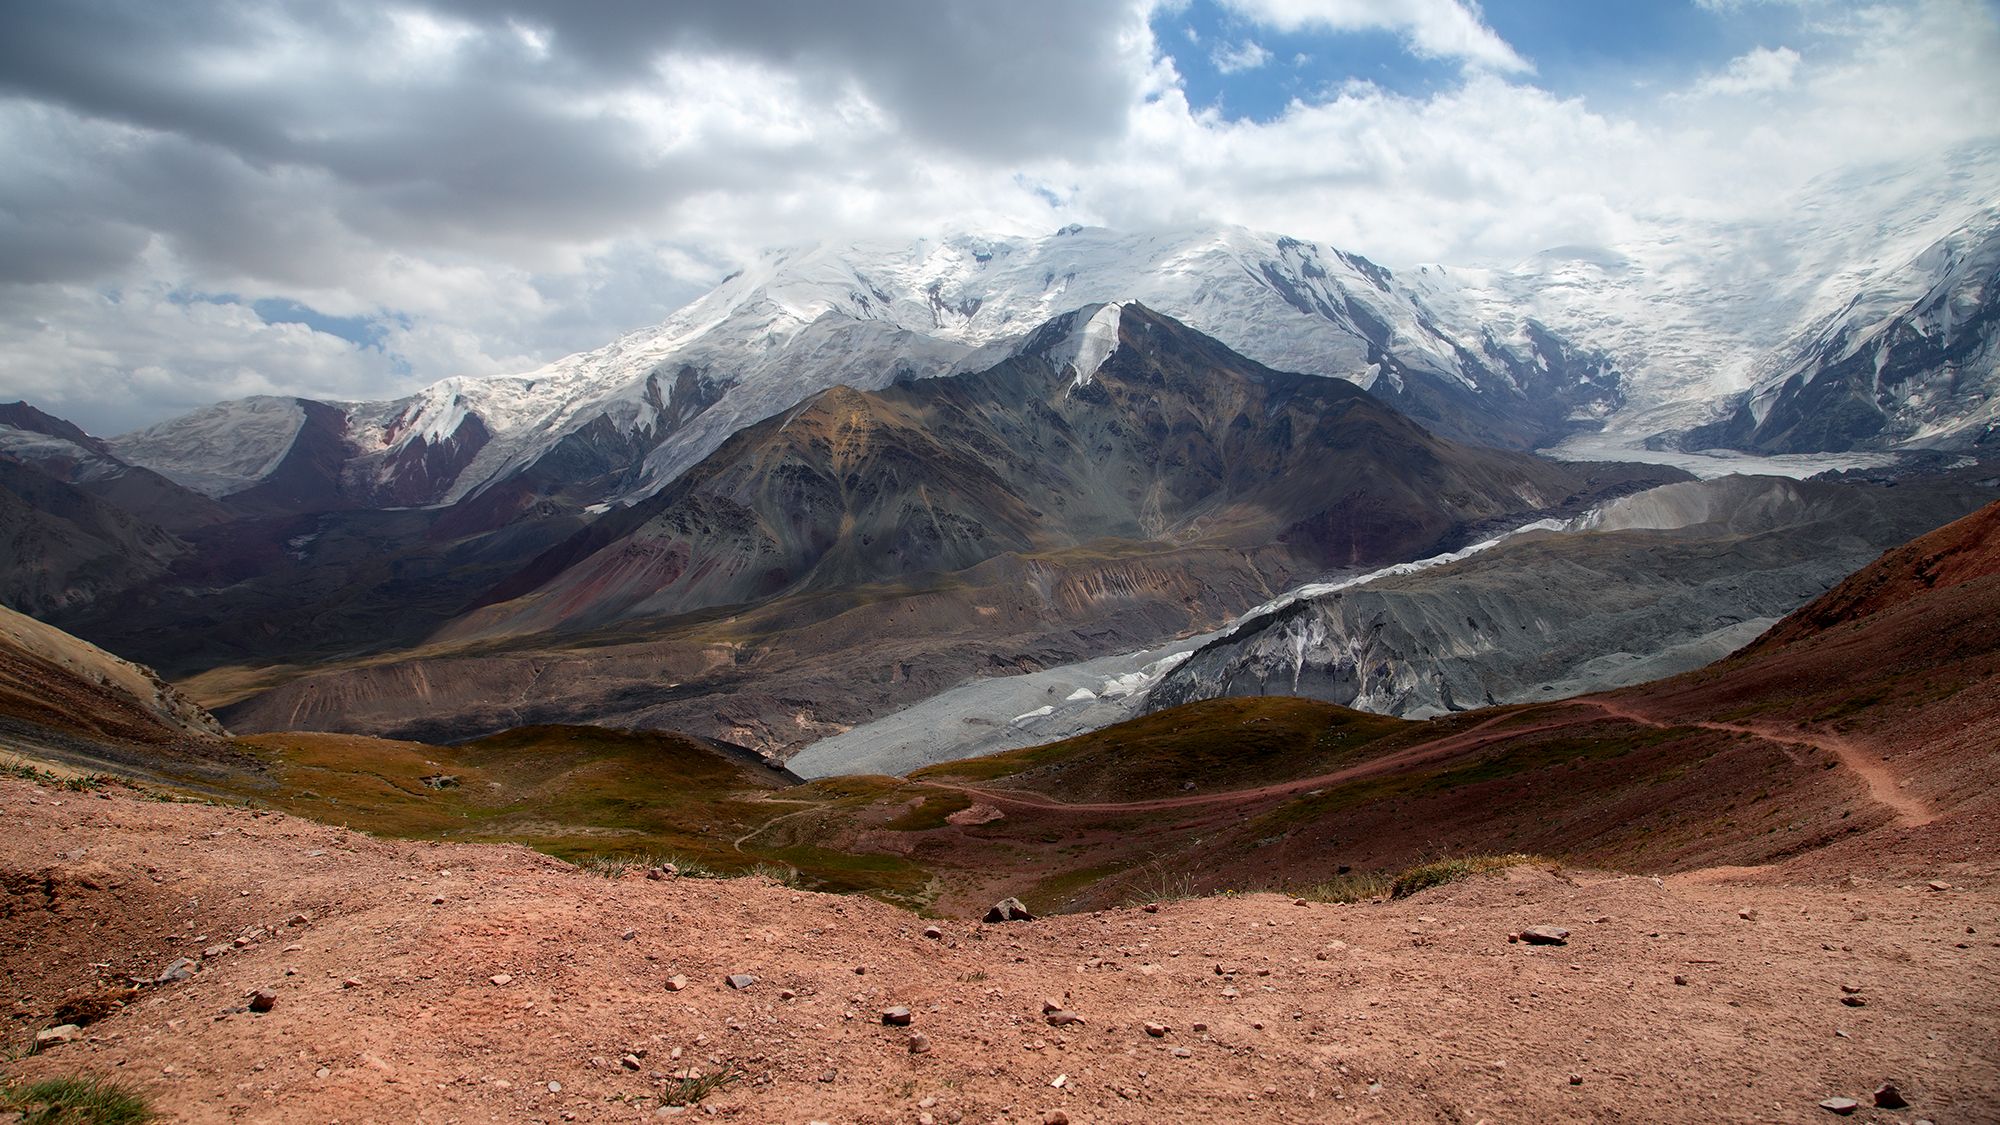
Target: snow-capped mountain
[[1910, 358], [1697, 313], [633, 415]]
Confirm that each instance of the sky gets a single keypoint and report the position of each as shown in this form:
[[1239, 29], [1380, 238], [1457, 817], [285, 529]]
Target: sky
[[213, 198]]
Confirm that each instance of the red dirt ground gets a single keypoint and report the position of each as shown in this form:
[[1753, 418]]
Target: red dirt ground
[[1418, 1010]]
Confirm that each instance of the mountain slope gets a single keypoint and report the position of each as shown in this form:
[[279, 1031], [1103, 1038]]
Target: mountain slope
[[1913, 358], [1161, 435]]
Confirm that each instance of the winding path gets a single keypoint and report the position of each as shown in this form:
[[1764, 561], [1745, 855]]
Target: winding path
[[1881, 781]]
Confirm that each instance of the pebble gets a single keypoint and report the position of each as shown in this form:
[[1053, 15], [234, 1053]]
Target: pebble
[[1545, 935], [676, 982], [740, 980], [1939, 885], [920, 1044], [1152, 908], [502, 979], [1854, 1001], [629, 1062], [1183, 1053], [898, 1016], [933, 933], [262, 1001], [1679, 979], [65, 1033], [1888, 1097], [1156, 1030], [1062, 1017], [1055, 1117], [628, 935], [1841, 1106], [555, 1087]]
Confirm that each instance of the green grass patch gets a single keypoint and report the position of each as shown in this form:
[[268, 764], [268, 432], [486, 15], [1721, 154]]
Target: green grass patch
[[78, 1101], [1437, 873], [930, 812], [1228, 743]]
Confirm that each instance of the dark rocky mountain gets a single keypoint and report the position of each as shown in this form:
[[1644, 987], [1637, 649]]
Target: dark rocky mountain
[[1112, 423]]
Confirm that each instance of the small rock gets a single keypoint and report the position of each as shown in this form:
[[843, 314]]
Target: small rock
[[1850, 989], [297, 920], [181, 969], [1746, 914], [898, 1016], [676, 982], [786, 994], [1062, 1017], [628, 935], [1545, 935], [1841, 1106], [1300, 902], [263, 1001], [1200, 1027], [1156, 1030], [1183, 1053], [1888, 1097], [933, 933], [65, 1033], [1009, 910], [1576, 1079], [740, 981], [350, 982], [1679, 979], [1055, 1117], [1512, 938], [1938, 885], [1152, 908], [501, 980], [1854, 1001], [920, 1044], [1049, 1005], [629, 1062], [555, 1087]]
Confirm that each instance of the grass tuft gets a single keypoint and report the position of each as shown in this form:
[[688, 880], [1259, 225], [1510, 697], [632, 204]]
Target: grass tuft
[[76, 784], [690, 1091], [1359, 886], [1439, 872], [79, 1101]]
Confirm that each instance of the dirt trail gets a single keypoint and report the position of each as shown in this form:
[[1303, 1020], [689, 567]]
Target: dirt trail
[[1882, 783]]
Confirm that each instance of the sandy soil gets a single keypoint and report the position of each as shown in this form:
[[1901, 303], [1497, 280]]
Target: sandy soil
[[387, 1007]]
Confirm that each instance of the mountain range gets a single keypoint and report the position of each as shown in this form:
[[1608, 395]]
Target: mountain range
[[1004, 455]]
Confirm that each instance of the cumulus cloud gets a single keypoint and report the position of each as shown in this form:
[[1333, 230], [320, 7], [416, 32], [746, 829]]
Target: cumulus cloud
[[1247, 55], [490, 184], [1759, 71], [1439, 29]]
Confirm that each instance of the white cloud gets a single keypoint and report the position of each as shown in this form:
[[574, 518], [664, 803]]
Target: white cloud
[[1247, 55], [1760, 71], [1437, 29], [532, 191]]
